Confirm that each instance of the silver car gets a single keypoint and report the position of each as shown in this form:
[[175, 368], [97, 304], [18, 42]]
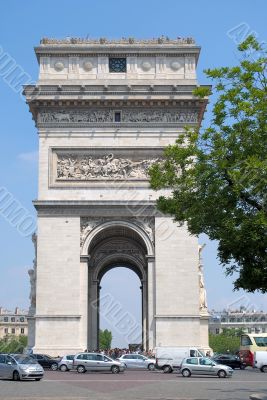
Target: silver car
[[204, 366], [20, 366], [137, 361], [96, 362], [66, 363]]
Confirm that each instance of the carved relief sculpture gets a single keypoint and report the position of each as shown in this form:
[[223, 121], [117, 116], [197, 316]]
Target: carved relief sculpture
[[117, 247], [202, 291], [107, 116], [83, 167], [89, 223], [32, 275]]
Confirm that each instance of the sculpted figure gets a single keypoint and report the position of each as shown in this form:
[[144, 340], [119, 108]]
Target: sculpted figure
[[61, 117], [130, 115], [32, 275], [71, 166], [202, 291]]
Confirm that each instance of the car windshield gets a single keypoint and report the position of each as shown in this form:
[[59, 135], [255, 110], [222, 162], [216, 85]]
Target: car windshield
[[201, 352], [106, 358], [25, 359]]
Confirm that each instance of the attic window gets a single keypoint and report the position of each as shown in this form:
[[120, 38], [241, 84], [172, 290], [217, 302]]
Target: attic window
[[117, 116]]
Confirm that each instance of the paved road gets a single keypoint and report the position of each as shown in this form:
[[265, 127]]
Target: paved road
[[135, 385]]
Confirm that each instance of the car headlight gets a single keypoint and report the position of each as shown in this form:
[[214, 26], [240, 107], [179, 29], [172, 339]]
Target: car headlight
[[26, 369]]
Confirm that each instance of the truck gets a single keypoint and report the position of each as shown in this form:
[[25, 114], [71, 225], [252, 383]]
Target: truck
[[260, 360], [169, 358]]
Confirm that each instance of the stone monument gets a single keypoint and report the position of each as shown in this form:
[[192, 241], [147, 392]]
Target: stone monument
[[104, 111]]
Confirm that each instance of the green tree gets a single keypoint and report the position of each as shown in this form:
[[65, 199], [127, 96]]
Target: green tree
[[224, 343], [105, 339], [218, 175], [13, 344], [233, 332]]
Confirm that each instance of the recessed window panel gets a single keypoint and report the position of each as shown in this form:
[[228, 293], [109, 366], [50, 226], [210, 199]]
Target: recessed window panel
[[117, 64], [117, 116]]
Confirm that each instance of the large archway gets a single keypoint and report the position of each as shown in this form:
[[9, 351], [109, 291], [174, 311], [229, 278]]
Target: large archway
[[108, 245]]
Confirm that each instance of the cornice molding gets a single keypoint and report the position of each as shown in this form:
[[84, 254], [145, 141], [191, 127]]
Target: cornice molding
[[65, 52], [89, 90], [161, 40], [95, 208]]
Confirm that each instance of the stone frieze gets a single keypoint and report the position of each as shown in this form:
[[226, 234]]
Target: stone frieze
[[108, 116], [109, 167]]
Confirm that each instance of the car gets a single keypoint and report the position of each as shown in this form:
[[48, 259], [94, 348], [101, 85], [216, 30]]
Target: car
[[230, 360], [204, 366], [46, 361], [137, 361], [66, 363], [19, 367], [83, 362], [169, 359], [260, 360]]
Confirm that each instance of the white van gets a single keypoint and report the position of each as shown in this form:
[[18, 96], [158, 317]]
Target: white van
[[170, 358], [260, 360]]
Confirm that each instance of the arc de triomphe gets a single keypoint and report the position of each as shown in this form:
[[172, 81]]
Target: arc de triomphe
[[104, 111]]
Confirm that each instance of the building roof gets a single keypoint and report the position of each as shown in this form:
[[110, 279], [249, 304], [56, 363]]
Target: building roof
[[126, 46]]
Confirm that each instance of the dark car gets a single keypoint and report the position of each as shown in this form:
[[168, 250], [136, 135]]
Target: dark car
[[46, 361], [230, 360]]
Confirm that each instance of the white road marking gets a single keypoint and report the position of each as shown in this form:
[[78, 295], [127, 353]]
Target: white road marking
[[147, 380]]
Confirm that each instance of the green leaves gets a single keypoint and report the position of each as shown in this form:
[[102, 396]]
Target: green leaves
[[13, 344], [250, 43], [202, 91], [218, 175], [105, 339], [227, 341]]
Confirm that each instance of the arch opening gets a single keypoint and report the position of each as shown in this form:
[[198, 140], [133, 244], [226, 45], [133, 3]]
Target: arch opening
[[121, 285]]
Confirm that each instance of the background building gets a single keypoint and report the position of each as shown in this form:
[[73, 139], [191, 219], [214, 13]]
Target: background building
[[13, 323], [249, 321]]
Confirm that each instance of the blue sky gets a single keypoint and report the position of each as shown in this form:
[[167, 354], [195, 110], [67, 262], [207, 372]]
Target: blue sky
[[23, 23]]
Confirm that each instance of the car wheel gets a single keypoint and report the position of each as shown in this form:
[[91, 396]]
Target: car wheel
[[115, 369], [186, 373], [16, 376], [38, 379], [54, 367], [242, 366], [264, 368], [80, 369], [221, 373], [63, 368], [167, 369], [151, 367]]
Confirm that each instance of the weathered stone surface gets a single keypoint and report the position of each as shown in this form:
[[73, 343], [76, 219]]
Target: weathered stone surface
[[108, 116], [95, 207]]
